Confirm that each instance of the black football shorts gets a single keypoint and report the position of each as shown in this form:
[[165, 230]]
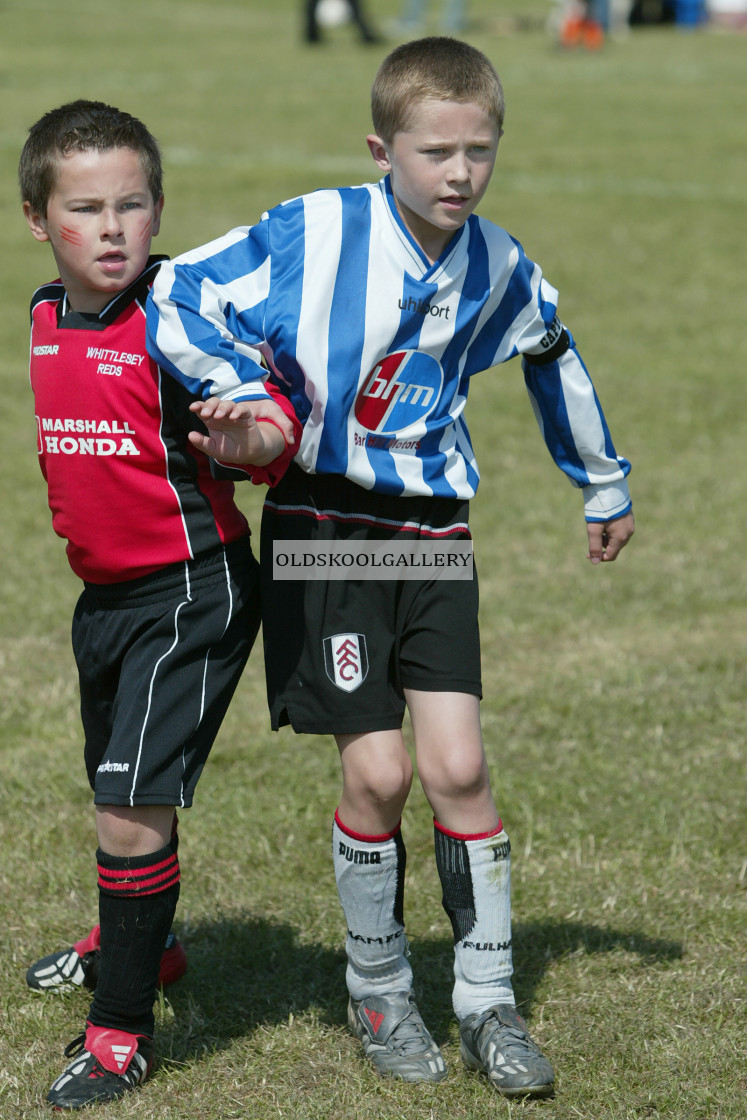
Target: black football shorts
[[339, 653], [158, 660]]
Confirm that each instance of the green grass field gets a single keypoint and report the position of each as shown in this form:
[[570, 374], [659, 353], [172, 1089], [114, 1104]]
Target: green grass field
[[614, 697]]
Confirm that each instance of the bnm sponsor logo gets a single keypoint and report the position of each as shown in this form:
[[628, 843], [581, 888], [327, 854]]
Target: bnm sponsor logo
[[400, 391], [355, 855]]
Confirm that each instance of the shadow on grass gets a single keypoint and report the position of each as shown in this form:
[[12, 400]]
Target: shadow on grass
[[245, 973], [248, 973], [536, 946], [539, 944]]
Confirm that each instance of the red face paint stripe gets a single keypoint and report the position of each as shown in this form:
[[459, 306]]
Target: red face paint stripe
[[70, 235]]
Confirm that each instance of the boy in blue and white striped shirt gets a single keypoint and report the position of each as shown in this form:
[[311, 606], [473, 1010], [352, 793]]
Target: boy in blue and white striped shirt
[[373, 306]]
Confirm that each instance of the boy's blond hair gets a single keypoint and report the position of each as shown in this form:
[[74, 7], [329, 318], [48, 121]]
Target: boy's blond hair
[[436, 68]]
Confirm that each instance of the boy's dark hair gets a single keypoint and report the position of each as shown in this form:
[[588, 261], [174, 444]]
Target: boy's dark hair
[[82, 126], [435, 68]]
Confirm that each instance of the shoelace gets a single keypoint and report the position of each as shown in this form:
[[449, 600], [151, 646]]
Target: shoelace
[[515, 1039], [407, 1036]]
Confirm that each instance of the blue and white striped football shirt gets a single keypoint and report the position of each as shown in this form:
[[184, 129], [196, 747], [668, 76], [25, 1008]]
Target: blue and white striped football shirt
[[375, 345]]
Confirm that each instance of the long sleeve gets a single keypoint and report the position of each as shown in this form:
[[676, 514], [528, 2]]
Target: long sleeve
[[205, 316], [575, 430]]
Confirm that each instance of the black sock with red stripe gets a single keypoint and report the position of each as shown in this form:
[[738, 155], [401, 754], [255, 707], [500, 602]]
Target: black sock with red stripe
[[137, 901]]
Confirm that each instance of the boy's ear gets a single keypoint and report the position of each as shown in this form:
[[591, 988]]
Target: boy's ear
[[378, 150], [36, 223]]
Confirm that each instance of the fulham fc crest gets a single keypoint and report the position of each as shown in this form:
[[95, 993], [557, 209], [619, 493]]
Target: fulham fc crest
[[346, 660]]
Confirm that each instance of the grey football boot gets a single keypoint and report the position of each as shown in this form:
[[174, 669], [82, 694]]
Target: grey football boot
[[395, 1037], [497, 1043]]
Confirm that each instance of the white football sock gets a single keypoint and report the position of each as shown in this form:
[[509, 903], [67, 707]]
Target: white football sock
[[475, 875], [370, 874]]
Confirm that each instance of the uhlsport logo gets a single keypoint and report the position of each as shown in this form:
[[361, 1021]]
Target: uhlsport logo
[[346, 660], [401, 390]]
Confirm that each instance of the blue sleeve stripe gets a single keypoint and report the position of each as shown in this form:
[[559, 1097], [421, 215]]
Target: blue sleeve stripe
[[346, 321], [572, 421], [547, 394], [286, 232]]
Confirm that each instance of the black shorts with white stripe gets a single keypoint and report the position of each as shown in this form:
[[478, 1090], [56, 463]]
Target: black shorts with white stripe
[[159, 659]]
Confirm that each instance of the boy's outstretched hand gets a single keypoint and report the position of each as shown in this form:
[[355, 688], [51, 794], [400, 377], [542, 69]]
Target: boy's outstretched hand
[[236, 432], [607, 538]]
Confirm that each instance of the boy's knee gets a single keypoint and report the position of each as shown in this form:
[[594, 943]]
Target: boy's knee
[[383, 784], [454, 776], [391, 785]]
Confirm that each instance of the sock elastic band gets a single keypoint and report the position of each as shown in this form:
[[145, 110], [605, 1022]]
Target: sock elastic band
[[362, 836], [135, 876], [468, 836]]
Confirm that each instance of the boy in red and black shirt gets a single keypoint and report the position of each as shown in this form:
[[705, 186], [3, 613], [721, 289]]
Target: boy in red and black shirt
[[170, 606]]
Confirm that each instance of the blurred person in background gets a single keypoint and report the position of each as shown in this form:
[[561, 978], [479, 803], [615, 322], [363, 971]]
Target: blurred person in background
[[340, 11], [414, 12], [729, 14]]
